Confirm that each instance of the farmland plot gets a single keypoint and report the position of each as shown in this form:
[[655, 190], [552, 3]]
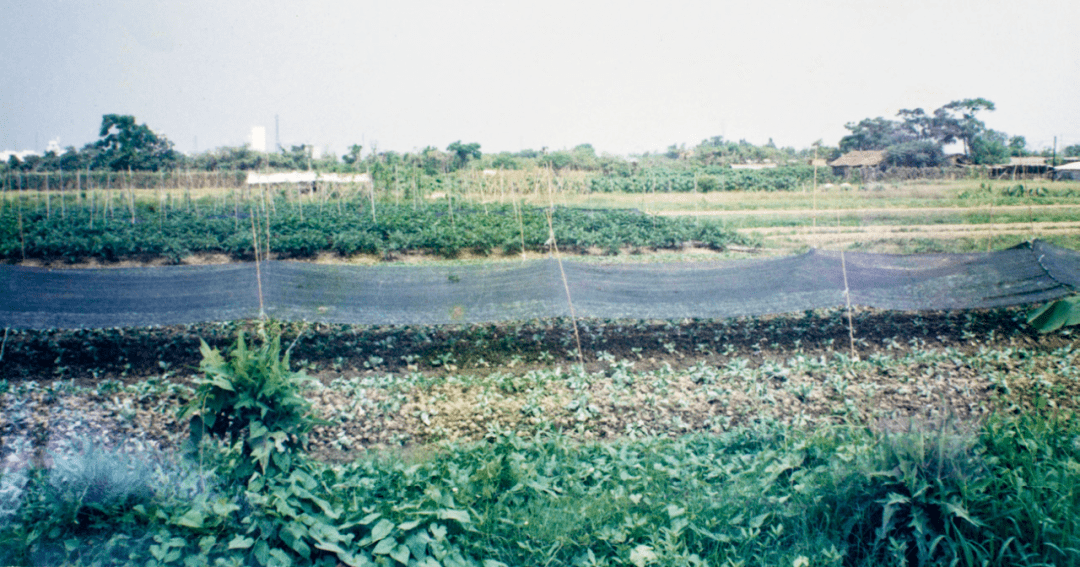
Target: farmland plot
[[802, 439]]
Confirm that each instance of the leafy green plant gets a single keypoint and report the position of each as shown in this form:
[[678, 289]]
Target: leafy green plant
[[85, 493], [252, 401], [1056, 314]]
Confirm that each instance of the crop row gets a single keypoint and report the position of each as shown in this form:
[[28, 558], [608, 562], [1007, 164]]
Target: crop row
[[343, 227], [713, 179], [116, 353]]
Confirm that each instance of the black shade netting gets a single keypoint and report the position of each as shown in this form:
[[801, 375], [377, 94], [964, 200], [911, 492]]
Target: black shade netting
[[38, 298]]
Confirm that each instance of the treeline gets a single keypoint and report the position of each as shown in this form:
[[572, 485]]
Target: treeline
[[916, 139]]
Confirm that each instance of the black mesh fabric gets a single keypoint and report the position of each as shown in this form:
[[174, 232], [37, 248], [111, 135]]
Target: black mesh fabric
[[36, 298]]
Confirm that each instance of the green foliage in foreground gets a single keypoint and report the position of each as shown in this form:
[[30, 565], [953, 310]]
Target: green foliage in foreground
[[253, 402], [346, 227], [1056, 314], [1006, 494]]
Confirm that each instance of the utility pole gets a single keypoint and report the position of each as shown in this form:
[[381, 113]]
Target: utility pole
[[277, 134]]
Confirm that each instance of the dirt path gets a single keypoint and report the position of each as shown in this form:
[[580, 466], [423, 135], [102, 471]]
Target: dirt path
[[826, 213], [824, 235]]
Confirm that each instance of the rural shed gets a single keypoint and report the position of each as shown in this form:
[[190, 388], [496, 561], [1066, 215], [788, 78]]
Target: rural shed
[[862, 159], [1020, 167], [1068, 171], [310, 179]]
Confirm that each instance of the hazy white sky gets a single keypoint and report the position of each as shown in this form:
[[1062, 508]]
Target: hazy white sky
[[625, 76]]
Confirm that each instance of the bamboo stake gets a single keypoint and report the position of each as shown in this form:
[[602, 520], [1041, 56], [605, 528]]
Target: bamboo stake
[[847, 296], [258, 271], [106, 213], [521, 223], [562, 273], [1031, 219], [372, 194], [815, 185], [266, 211], [131, 195], [22, 236], [93, 205], [450, 201]]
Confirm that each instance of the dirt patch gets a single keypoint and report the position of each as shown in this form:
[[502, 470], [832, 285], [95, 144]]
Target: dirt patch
[[380, 388], [826, 236], [131, 262], [832, 212]]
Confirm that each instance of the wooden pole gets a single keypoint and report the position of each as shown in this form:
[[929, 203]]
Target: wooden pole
[[258, 271], [372, 194], [815, 186]]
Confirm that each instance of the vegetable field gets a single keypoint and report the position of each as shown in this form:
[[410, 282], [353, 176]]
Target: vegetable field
[[820, 438], [342, 227]]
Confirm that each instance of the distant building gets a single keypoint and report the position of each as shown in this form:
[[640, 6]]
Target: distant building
[[258, 139], [753, 165], [1021, 167], [1068, 171], [859, 160], [312, 179], [958, 160], [20, 155]]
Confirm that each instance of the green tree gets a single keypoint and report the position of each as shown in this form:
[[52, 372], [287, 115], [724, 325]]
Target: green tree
[[463, 153], [241, 158], [559, 159], [124, 144], [505, 160], [958, 121], [990, 147], [432, 161], [916, 153], [1072, 151], [870, 134], [915, 124], [352, 159], [1018, 146]]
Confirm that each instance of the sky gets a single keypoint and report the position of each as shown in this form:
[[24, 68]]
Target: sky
[[627, 77]]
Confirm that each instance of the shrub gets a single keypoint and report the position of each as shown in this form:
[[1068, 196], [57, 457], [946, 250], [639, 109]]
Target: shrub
[[251, 400]]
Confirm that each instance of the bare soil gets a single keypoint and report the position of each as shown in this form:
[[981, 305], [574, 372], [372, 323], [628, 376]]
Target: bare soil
[[831, 236]]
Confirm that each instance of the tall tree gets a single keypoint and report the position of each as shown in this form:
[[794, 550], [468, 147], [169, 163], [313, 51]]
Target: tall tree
[[959, 120], [353, 157], [990, 147], [124, 144], [463, 153], [870, 134], [1018, 146]]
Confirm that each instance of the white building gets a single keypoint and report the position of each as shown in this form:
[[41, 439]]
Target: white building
[[21, 155], [258, 139]]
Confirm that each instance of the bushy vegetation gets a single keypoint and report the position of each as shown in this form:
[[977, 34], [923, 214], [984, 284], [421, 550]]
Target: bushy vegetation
[[1003, 493], [684, 180], [122, 229]]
